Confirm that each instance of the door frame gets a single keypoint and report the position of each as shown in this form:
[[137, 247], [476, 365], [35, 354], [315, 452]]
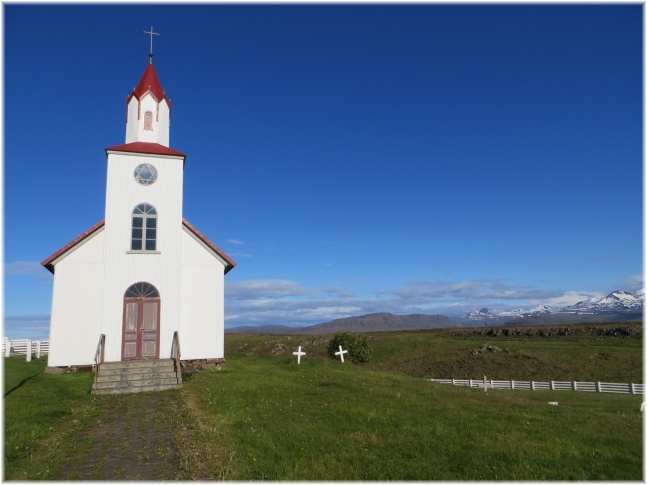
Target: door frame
[[150, 295]]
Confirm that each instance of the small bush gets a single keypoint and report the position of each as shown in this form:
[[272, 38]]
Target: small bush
[[358, 349]]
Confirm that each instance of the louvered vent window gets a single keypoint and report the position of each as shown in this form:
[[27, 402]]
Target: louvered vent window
[[148, 121]]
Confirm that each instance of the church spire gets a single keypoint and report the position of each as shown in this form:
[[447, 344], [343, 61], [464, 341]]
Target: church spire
[[148, 111]]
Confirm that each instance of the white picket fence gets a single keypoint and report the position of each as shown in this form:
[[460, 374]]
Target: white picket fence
[[614, 387], [22, 346]]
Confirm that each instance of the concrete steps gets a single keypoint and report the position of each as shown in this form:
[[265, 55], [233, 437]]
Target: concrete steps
[[137, 376]]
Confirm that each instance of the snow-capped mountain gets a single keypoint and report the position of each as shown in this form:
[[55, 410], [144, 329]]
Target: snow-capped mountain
[[615, 304], [620, 300], [479, 314]]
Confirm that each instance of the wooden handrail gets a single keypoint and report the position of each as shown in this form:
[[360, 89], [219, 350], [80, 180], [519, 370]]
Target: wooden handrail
[[176, 354], [98, 356]]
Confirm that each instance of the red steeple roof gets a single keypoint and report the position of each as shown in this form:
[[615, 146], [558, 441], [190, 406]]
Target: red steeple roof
[[149, 82]]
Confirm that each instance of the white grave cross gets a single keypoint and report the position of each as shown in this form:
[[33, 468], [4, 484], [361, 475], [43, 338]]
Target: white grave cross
[[299, 354], [341, 353]]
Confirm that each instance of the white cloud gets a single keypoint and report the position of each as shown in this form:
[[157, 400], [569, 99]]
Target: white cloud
[[632, 283], [26, 326], [482, 289], [236, 241], [259, 289], [571, 298], [287, 302], [25, 268], [240, 255]]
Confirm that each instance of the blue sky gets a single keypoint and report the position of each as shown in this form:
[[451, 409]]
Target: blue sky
[[419, 158]]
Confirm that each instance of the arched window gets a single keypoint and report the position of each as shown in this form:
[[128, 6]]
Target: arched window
[[142, 290], [148, 121], [144, 230]]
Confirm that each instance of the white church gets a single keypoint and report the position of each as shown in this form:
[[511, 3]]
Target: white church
[[142, 279]]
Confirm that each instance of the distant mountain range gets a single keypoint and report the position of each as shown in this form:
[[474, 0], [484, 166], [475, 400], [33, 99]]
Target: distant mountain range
[[373, 322], [618, 306]]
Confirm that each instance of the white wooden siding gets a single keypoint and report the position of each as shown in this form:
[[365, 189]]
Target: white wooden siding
[[123, 194], [77, 304], [132, 122], [202, 323], [162, 268], [135, 121], [88, 300]]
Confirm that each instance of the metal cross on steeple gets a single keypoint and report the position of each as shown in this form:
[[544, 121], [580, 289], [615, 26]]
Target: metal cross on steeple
[[150, 54]]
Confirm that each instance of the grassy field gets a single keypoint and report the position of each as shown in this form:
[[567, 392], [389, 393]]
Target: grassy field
[[41, 411], [322, 420], [266, 418], [445, 354]]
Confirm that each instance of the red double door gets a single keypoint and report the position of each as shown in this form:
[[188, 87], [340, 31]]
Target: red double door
[[140, 336]]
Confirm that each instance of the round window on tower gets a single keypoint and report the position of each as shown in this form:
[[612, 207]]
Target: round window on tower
[[145, 174]]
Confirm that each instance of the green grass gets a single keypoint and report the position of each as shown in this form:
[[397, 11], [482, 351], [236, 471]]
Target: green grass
[[446, 354], [18, 371], [439, 354], [323, 420], [266, 418], [39, 416]]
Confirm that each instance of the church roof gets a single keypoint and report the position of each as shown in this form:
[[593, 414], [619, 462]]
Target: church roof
[[149, 82], [229, 262], [145, 147], [49, 262]]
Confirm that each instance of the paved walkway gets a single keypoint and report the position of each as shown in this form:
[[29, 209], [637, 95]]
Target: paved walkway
[[132, 437]]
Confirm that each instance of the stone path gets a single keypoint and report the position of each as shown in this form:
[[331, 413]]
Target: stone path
[[132, 437]]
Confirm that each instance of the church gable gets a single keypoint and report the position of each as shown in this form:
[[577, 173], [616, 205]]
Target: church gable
[[87, 235], [207, 245], [72, 246]]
